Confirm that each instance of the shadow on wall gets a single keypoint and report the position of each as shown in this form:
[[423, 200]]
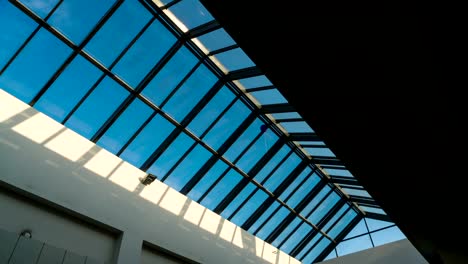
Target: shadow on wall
[[74, 173]]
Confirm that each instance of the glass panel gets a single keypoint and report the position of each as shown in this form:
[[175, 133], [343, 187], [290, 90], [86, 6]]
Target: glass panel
[[287, 115], [325, 152], [207, 180], [227, 124], [171, 155], [253, 82], [303, 190], [324, 208], [353, 245], [191, 12], [188, 167], [147, 141], [222, 188], [125, 126], [75, 18], [287, 231], [234, 59], [359, 229], [67, 90], [102, 102], [344, 173], [335, 217], [15, 27], [170, 76], [128, 20], [297, 127], [257, 150], [309, 246], [272, 163], [273, 222], [317, 250], [250, 207], [343, 222], [296, 237], [357, 192], [386, 236], [191, 92], [374, 224], [282, 172], [372, 210], [264, 217], [41, 8], [266, 97], [34, 66], [250, 188], [212, 110], [245, 139], [311, 205], [216, 40], [144, 53]]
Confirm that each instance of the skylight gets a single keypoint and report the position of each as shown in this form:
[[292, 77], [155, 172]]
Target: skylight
[[163, 86]]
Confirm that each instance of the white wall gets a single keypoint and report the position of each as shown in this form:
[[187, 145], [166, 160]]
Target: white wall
[[43, 158], [398, 252]]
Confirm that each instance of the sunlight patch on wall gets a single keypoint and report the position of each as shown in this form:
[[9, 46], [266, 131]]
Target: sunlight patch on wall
[[194, 213], [127, 176], [210, 221], [103, 163], [29, 128], [70, 145], [227, 230], [154, 192], [237, 239], [173, 201], [10, 106]]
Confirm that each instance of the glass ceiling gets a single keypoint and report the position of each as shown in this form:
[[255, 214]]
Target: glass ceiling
[[163, 86]]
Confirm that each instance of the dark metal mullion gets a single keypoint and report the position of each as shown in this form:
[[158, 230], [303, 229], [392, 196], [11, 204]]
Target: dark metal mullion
[[362, 200], [277, 108], [331, 213], [352, 187], [277, 231], [29, 38], [181, 83], [280, 163], [221, 176], [221, 50], [244, 73], [304, 242], [349, 181], [368, 232], [262, 88], [254, 192], [77, 50], [304, 136], [286, 120], [308, 215], [333, 167], [179, 161], [202, 29], [180, 128], [210, 163], [378, 216], [339, 218], [313, 146], [279, 190], [130, 97], [252, 173], [319, 203], [338, 239], [313, 246], [142, 126]]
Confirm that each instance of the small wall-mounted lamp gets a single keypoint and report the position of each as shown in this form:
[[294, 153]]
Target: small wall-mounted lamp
[[148, 179], [27, 233]]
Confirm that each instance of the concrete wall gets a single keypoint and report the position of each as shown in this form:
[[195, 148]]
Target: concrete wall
[[397, 252], [46, 161]]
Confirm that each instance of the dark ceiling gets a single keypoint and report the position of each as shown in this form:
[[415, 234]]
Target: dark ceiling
[[369, 88]]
